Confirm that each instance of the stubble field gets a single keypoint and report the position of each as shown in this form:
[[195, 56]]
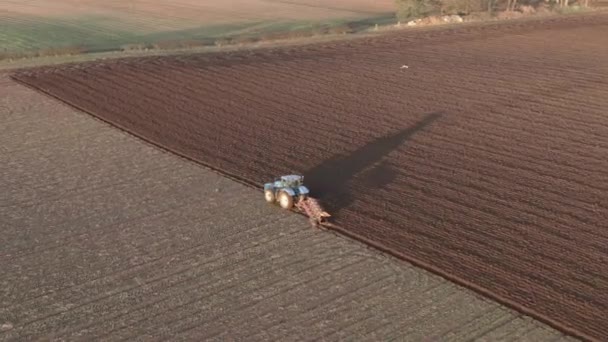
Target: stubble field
[[484, 160]]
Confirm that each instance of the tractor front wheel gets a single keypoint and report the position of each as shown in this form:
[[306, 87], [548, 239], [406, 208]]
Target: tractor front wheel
[[285, 200], [269, 196]]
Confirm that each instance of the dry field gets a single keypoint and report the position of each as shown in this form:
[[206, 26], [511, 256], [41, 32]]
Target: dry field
[[103, 237], [213, 11], [484, 160], [95, 25]]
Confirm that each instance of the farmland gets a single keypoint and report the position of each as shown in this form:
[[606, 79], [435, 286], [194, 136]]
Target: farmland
[[483, 161], [94, 25], [104, 237]]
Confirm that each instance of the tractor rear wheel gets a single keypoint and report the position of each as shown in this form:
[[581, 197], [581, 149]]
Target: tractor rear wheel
[[285, 200], [269, 196]]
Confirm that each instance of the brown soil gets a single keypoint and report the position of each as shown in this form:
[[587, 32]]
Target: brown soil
[[485, 160]]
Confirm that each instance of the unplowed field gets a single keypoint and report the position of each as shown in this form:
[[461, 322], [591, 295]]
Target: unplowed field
[[485, 160]]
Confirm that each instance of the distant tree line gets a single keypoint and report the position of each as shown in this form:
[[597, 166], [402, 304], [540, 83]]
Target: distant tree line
[[411, 9]]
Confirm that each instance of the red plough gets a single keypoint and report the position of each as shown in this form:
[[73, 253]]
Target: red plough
[[313, 210]]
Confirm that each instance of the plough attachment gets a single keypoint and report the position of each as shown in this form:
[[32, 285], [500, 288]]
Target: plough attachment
[[313, 210]]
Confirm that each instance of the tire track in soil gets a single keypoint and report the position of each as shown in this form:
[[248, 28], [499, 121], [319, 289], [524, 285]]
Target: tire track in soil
[[118, 108], [132, 293], [552, 264], [534, 176], [147, 272], [507, 231], [192, 310], [223, 111], [562, 240]]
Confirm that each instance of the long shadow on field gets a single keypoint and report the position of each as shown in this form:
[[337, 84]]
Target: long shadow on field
[[331, 180]]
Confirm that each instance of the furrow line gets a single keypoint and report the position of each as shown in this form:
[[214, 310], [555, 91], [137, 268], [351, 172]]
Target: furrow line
[[161, 280], [293, 268]]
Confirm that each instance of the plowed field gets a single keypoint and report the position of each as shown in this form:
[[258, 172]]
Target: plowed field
[[485, 160]]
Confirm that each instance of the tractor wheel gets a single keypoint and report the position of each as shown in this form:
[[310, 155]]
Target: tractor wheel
[[285, 200], [269, 196]]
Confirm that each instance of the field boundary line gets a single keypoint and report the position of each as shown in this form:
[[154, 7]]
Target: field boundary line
[[339, 229], [217, 170], [464, 283]]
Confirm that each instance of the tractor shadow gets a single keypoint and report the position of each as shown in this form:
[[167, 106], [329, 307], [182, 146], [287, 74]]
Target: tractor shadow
[[332, 181]]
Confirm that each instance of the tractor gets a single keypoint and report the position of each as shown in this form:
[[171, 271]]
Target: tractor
[[290, 192], [287, 190]]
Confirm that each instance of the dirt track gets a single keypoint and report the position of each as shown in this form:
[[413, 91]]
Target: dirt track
[[485, 159], [83, 256]]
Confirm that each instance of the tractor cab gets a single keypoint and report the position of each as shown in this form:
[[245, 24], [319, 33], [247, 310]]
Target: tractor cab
[[290, 181]]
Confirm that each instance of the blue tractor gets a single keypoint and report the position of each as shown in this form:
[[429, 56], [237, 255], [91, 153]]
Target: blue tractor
[[287, 190]]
